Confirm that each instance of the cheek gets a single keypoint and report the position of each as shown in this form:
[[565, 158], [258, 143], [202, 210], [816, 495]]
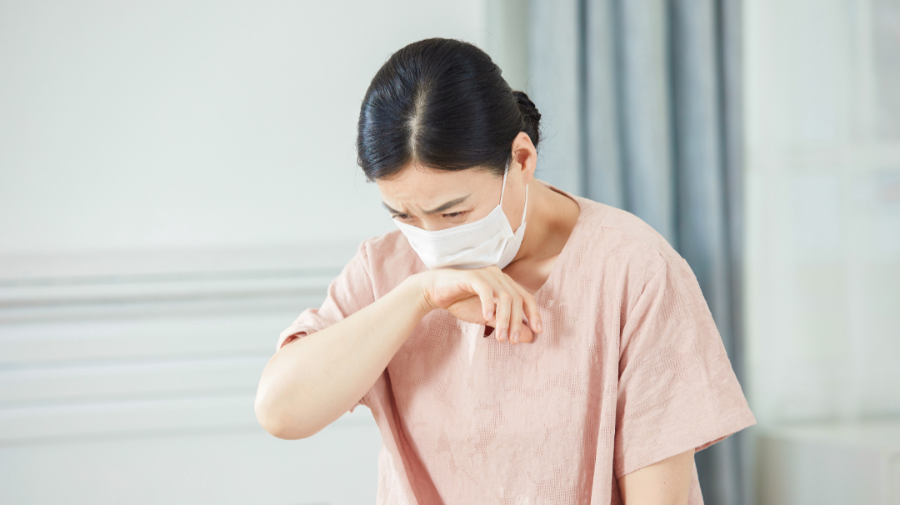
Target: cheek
[[479, 213], [514, 209]]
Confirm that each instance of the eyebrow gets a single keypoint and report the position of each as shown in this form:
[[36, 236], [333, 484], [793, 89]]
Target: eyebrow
[[441, 208]]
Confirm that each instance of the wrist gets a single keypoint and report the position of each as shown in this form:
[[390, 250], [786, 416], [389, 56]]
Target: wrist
[[415, 288]]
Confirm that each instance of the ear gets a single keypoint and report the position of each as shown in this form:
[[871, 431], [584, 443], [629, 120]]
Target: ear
[[524, 157]]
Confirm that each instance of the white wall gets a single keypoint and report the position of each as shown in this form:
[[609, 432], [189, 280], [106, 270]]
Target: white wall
[[127, 126], [178, 181], [822, 108], [823, 212]]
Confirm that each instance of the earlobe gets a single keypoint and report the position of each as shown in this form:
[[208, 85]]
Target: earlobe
[[527, 176]]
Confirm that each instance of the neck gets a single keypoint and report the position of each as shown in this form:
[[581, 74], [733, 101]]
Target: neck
[[551, 217]]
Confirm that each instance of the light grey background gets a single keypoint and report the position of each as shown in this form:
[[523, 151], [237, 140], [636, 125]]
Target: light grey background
[[178, 181]]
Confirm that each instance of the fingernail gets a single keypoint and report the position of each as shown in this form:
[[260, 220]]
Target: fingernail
[[503, 335], [516, 337]]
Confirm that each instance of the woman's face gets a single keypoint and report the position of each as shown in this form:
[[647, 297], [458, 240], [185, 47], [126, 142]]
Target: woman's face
[[434, 199]]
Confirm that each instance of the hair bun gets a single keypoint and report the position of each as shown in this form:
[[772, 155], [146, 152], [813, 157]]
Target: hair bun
[[530, 116]]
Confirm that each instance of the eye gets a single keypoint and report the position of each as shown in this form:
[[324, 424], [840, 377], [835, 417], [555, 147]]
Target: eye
[[402, 217], [455, 214]]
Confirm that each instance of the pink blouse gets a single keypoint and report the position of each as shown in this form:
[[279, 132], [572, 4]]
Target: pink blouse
[[629, 370]]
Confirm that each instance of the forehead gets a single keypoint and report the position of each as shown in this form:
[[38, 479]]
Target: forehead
[[422, 187]]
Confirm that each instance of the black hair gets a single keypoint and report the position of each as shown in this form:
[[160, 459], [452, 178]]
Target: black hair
[[443, 104]]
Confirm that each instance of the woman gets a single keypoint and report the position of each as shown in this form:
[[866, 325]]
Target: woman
[[624, 376]]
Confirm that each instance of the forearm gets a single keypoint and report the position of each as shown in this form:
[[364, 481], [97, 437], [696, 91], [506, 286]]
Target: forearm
[[312, 381]]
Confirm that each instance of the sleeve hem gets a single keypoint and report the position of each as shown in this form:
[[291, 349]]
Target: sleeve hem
[[364, 401], [744, 424], [697, 446], [290, 337]]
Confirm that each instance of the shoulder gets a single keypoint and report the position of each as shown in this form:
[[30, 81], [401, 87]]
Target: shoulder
[[628, 257], [621, 240], [610, 229]]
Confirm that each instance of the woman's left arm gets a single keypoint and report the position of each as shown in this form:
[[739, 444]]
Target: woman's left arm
[[667, 482]]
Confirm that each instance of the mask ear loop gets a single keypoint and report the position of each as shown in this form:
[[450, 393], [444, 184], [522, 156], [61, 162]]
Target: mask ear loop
[[525, 210], [503, 188]]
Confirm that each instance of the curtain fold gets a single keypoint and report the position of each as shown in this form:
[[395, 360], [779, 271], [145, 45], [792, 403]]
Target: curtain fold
[[643, 111]]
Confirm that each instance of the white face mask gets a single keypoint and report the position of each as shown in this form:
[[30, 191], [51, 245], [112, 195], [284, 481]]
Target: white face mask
[[488, 241]]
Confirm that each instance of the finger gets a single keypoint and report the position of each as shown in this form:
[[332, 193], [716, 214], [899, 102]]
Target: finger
[[525, 335], [485, 291], [511, 318], [496, 287], [530, 308], [515, 315], [504, 306]]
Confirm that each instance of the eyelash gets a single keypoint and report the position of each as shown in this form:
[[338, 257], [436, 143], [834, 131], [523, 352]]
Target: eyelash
[[450, 215]]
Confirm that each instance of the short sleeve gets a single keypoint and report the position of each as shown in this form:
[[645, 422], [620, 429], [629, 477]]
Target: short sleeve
[[677, 389], [349, 292]]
